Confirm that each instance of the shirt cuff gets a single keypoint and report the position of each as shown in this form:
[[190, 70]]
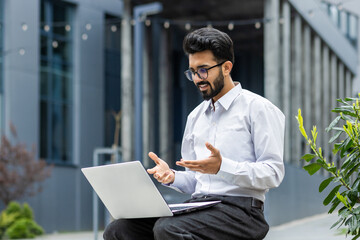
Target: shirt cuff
[[227, 166], [178, 181]]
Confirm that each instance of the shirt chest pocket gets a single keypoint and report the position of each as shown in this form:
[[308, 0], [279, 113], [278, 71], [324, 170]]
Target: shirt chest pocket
[[234, 139], [200, 137]]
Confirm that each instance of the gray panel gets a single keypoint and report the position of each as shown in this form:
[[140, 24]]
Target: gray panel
[[297, 197]]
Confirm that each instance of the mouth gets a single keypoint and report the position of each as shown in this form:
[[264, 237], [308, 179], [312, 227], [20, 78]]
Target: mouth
[[202, 86]]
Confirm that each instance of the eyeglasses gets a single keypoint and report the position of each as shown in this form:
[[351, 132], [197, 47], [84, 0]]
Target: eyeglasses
[[202, 73]]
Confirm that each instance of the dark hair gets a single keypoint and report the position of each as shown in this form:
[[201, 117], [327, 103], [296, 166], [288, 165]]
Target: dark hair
[[219, 43]]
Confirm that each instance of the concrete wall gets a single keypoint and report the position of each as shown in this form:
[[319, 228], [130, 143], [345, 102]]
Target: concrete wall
[[297, 197]]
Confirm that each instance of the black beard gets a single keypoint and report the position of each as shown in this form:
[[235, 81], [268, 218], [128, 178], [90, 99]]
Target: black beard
[[218, 86]]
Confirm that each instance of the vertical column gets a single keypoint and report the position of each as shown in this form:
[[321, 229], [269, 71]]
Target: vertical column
[[307, 107], [271, 52], [341, 92], [333, 76], [326, 99], [127, 103], [317, 90], [348, 84], [341, 80], [146, 102], [296, 86], [165, 90], [285, 62], [333, 92]]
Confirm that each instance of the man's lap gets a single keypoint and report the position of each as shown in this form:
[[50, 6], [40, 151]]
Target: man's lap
[[230, 219]]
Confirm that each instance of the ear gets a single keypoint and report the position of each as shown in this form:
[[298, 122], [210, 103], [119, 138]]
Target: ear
[[227, 66]]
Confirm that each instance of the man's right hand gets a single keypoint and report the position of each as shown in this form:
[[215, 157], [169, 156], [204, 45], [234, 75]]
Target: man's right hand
[[161, 172]]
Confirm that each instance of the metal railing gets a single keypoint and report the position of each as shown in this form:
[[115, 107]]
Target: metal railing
[[116, 152]]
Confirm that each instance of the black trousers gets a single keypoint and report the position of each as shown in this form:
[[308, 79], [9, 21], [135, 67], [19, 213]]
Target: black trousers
[[234, 218]]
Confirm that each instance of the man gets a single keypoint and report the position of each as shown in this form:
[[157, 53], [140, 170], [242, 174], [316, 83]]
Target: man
[[232, 150]]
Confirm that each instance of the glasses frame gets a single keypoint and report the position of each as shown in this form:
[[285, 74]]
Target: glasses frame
[[189, 74]]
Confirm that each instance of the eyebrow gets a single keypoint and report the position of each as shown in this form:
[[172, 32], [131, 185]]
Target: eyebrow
[[200, 66]]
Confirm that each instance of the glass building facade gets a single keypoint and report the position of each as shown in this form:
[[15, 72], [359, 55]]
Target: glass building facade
[[56, 79], [112, 77]]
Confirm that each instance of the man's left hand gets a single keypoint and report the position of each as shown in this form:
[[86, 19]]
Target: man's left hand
[[210, 165]]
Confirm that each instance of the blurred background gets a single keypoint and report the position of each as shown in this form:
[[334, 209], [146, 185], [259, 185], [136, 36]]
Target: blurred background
[[82, 79]]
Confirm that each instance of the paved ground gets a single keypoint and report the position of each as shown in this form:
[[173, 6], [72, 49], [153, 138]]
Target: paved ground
[[313, 228]]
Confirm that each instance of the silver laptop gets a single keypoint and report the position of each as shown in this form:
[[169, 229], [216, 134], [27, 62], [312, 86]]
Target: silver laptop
[[127, 191]]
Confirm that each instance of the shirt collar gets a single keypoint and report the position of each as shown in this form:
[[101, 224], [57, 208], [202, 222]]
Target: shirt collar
[[226, 100], [230, 96]]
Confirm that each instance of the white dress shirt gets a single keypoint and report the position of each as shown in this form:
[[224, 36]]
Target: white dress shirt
[[248, 130]]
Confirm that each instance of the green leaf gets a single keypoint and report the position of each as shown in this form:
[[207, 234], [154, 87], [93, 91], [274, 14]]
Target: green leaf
[[333, 138], [325, 183], [353, 196], [337, 222], [356, 237], [312, 168], [333, 123], [348, 143], [308, 157], [352, 170], [331, 195], [334, 205], [336, 148], [342, 199], [342, 101], [353, 157], [349, 99]]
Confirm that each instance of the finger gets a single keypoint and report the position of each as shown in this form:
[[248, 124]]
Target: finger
[[211, 148], [187, 164], [154, 157], [163, 176], [167, 179], [151, 171], [191, 162], [196, 169]]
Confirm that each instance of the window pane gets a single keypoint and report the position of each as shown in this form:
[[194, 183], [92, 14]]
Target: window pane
[[343, 22], [43, 132], [61, 51], [43, 82], [44, 45], [60, 138], [55, 82], [42, 11], [334, 14], [112, 76], [61, 18], [57, 133], [352, 27]]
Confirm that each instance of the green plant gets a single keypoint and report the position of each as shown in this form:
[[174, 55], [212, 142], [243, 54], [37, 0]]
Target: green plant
[[346, 139], [17, 222], [24, 228], [6, 220]]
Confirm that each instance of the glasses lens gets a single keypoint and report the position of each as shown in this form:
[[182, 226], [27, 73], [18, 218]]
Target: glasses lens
[[188, 74], [202, 73]]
